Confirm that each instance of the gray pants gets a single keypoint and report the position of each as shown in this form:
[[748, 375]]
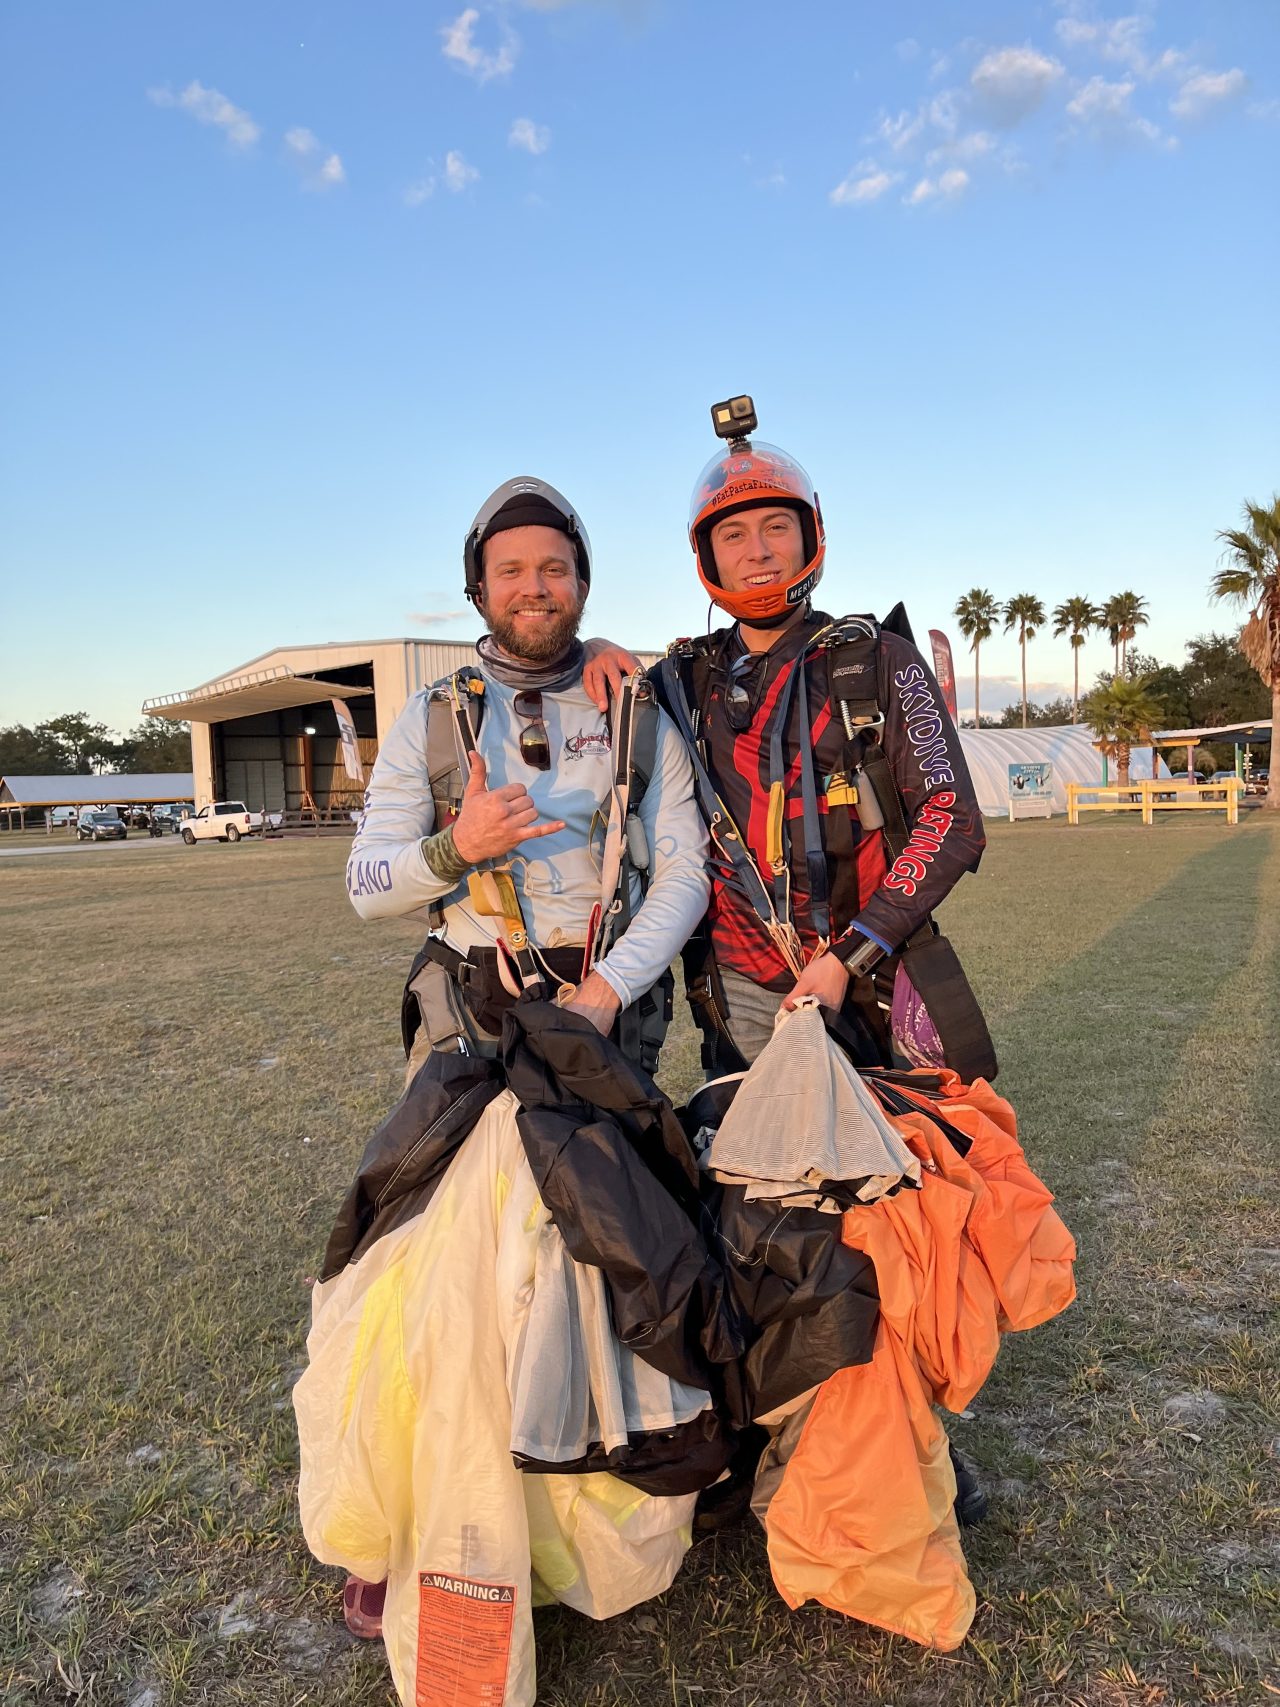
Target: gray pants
[[752, 1011]]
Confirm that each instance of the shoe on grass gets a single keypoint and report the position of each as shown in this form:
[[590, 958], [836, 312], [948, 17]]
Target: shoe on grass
[[362, 1605]]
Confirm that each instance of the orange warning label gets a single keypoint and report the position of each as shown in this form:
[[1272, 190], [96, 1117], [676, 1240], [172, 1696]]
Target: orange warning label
[[464, 1641]]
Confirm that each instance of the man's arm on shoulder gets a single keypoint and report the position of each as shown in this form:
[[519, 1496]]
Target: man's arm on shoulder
[[387, 872], [944, 824], [678, 884]]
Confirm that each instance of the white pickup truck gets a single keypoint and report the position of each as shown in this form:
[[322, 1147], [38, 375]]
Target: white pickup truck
[[224, 821]]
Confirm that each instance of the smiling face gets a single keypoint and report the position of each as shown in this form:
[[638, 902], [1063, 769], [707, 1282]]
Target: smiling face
[[531, 596], [756, 548]]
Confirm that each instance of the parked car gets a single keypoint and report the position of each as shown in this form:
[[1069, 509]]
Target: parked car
[[1219, 777], [64, 817], [224, 821], [1258, 781], [100, 824]]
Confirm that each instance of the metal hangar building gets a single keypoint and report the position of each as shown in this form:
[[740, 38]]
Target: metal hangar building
[[267, 732]]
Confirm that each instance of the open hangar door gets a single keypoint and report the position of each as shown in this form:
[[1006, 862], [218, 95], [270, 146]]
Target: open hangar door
[[254, 769], [291, 760]]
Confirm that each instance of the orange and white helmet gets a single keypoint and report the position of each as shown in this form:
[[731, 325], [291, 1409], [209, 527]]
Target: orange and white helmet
[[746, 475]]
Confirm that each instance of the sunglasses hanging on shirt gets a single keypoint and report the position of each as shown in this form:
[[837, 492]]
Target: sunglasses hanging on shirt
[[535, 743], [742, 691]]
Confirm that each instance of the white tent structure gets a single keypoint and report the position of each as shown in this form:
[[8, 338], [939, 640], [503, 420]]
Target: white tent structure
[[1068, 748]]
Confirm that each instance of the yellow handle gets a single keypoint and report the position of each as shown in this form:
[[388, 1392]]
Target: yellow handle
[[493, 895], [773, 827], [840, 791]]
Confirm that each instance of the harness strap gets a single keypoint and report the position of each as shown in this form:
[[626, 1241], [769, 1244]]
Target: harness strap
[[615, 872], [743, 873], [875, 768], [815, 857], [780, 833], [492, 888]]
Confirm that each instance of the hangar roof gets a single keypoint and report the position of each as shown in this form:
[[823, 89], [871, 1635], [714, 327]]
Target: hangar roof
[[245, 695], [1229, 734], [143, 789]]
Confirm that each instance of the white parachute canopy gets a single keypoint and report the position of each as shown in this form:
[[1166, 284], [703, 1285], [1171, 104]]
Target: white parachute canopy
[[1068, 748]]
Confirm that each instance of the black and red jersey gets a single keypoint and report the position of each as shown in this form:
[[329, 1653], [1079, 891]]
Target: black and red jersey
[[945, 837]]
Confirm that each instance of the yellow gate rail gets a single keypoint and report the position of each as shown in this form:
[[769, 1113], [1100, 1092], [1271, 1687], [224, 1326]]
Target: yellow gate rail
[[1152, 795]]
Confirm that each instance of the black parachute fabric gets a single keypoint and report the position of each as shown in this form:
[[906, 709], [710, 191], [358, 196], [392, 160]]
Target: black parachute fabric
[[407, 1156], [752, 1303]]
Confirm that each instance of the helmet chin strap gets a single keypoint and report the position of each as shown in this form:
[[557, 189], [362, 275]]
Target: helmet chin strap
[[778, 620]]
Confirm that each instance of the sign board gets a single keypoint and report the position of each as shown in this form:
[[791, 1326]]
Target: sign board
[[1030, 791], [944, 669], [350, 745]]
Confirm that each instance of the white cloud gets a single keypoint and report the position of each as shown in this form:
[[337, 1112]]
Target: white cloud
[[429, 618], [420, 191], [899, 133], [209, 106], [304, 146], [458, 173], [533, 138], [976, 146], [1102, 109], [1206, 91], [1013, 81], [902, 131], [1121, 40], [866, 183], [1173, 62], [461, 47], [944, 111], [949, 184], [1100, 102], [775, 180]]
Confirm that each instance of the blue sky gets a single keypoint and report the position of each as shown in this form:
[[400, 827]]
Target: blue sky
[[290, 288]]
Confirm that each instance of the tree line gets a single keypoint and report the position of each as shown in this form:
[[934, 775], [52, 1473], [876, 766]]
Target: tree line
[[1225, 679], [979, 611], [74, 745]]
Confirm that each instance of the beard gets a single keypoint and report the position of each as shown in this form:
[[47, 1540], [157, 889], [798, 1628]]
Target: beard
[[546, 643]]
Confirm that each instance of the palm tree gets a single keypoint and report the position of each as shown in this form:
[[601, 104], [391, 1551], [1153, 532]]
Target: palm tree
[[1122, 715], [977, 613], [1122, 616], [1075, 617], [1252, 578], [1025, 613]]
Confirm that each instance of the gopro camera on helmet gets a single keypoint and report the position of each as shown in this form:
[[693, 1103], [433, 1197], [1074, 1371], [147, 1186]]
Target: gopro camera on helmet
[[746, 475], [734, 419]]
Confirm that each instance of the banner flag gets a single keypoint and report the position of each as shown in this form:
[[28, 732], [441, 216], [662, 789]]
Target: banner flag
[[350, 746], [944, 669]]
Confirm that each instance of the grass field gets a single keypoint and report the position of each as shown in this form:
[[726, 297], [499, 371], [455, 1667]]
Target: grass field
[[192, 1053]]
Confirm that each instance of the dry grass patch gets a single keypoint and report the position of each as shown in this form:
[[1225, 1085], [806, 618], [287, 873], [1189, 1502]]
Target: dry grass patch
[[191, 1055]]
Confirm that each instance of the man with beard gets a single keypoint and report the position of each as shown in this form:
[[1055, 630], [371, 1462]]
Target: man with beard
[[526, 803]]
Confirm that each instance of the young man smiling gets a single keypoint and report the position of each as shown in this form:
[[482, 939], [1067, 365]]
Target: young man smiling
[[793, 717], [541, 769]]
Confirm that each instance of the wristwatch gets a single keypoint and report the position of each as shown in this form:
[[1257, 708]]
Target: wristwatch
[[864, 957]]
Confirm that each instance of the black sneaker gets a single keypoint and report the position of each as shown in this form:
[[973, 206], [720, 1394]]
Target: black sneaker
[[972, 1504], [726, 1502]]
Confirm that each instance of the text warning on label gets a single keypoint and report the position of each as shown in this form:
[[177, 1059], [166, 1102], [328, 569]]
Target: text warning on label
[[464, 1641]]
